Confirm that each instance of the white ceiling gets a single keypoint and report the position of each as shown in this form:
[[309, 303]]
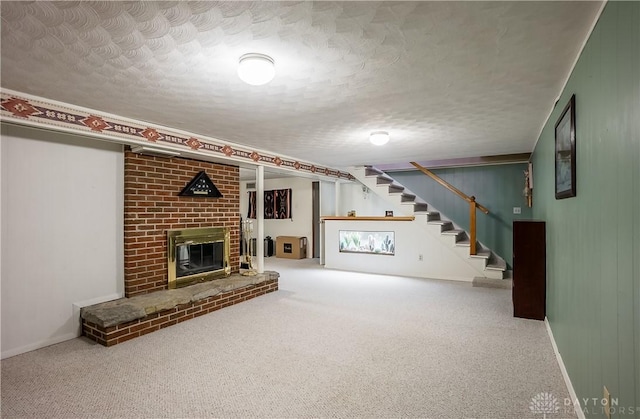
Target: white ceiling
[[446, 79]]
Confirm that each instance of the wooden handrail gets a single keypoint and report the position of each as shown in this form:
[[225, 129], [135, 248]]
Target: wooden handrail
[[449, 186], [470, 199], [472, 226]]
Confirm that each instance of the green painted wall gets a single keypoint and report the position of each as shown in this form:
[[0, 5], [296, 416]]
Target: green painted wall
[[499, 188], [593, 240]]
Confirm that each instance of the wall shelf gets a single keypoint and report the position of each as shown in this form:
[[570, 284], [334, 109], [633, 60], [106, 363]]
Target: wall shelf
[[372, 218]]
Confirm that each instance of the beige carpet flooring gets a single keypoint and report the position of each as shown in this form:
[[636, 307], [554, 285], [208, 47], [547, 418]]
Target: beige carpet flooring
[[328, 344]]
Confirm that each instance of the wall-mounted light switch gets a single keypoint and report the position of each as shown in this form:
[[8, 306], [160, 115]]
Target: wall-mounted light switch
[[517, 210]]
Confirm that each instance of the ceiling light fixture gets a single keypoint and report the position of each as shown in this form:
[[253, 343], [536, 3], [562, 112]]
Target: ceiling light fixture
[[256, 69], [379, 137]]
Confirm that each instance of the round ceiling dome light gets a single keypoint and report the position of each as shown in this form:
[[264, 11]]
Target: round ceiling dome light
[[379, 137], [256, 69]]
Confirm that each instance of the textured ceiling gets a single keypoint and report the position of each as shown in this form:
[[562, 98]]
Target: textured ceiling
[[446, 79]]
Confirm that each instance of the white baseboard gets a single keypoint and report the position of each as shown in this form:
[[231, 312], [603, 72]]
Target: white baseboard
[[37, 345], [565, 374]]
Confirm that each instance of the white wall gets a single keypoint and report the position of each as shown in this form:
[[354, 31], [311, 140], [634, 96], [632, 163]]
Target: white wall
[[327, 198], [62, 233], [301, 224], [364, 203], [327, 207], [438, 262]]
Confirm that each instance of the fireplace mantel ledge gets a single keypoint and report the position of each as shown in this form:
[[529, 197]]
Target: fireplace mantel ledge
[[123, 310]]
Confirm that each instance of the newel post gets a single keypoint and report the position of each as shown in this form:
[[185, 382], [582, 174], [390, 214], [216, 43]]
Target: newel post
[[472, 225]]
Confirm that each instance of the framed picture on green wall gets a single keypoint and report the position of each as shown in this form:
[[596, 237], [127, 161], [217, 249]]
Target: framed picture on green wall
[[565, 152]]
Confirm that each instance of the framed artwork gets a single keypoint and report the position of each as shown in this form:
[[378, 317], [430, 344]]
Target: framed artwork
[[388, 213], [277, 204], [565, 151]]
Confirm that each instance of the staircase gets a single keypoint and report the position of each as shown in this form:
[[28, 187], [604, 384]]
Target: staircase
[[486, 263]]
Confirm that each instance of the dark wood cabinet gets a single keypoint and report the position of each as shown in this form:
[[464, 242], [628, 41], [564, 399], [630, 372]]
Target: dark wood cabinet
[[529, 269]]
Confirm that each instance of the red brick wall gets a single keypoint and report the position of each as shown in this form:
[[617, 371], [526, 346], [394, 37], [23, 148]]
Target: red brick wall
[[152, 206]]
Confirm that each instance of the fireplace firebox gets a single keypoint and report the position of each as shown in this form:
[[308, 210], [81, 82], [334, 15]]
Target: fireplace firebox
[[197, 255]]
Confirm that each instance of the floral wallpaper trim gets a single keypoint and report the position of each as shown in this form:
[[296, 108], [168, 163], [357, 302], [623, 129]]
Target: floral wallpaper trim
[[30, 110]]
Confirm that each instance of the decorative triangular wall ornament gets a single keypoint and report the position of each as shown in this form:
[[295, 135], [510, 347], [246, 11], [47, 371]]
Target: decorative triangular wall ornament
[[201, 186]]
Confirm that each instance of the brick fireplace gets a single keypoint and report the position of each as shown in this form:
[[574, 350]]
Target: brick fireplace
[[152, 206]]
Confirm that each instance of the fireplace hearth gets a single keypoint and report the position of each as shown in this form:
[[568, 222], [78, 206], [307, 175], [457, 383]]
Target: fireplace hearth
[[197, 255]]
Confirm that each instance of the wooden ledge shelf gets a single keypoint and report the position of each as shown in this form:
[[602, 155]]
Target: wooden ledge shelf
[[372, 218]]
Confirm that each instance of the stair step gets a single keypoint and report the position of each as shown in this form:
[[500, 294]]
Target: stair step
[[372, 171], [482, 254], [421, 207], [407, 197], [492, 283], [384, 180], [433, 216], [497, 266], [441, 222], [453, 232], [395, 188], [466, 242], [444, 224]]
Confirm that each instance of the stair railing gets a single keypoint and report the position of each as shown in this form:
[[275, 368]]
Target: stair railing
[[470, 199]]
